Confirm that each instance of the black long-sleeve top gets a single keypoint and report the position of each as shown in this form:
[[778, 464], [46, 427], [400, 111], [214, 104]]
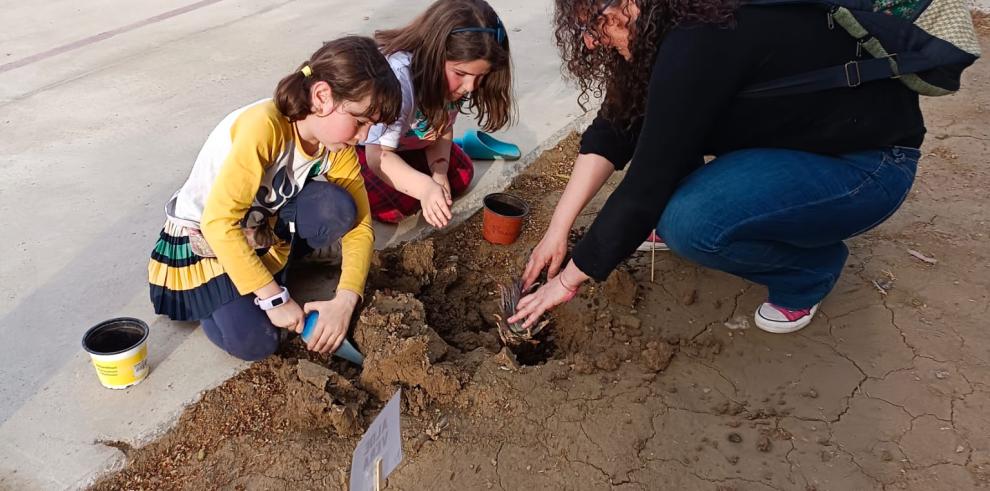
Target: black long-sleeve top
[[693, 110]]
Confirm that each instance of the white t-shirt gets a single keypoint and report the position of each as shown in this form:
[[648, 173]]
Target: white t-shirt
[[244, 138], [411, 131]]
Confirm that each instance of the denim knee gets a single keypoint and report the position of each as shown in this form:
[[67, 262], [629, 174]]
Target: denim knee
[[253, 348], [323, 213], [242, 330], [689, 231], [337, 205]]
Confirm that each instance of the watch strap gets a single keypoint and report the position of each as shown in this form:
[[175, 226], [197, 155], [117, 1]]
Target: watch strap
[[273, 301]]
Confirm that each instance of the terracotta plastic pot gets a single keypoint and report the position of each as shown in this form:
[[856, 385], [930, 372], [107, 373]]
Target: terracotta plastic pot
[[503, 218]]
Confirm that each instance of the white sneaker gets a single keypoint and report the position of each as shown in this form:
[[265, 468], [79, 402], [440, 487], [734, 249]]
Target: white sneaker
[[653, 243], [778, 320]]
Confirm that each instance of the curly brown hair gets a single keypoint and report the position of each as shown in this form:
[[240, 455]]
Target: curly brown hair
[[603, 72]]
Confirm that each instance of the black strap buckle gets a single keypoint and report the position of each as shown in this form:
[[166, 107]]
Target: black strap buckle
[[892, 58], [853, 78]]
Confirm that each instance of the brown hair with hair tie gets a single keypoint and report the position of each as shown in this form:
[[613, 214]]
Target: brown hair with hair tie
[[354, 68]]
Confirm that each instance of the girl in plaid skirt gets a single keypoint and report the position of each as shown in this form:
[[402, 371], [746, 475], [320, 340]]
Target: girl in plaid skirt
[[453, 58]]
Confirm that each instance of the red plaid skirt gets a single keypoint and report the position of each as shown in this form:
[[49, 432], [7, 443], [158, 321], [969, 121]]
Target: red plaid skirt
[[391, 206]]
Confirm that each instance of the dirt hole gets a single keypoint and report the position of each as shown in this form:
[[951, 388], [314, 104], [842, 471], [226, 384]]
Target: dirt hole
[[534, 354]]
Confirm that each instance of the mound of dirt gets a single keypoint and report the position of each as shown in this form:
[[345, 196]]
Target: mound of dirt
[[322, 399], [600, 332], [401, 350], [407, 268], [620, 288]]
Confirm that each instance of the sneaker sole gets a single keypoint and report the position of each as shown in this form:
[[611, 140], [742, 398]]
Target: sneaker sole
[[646, 247], [778, 327]]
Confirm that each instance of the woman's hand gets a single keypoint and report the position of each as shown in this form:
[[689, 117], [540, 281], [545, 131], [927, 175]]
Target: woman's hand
[[288, 316], [589, 175], [556, 291], [331, 325], [436, 204], [550, 251]]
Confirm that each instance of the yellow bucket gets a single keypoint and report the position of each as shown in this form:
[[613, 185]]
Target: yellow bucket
[[119, 349]]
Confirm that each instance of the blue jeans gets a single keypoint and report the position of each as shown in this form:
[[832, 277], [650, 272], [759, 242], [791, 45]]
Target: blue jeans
[[779, 217], [323, 213]]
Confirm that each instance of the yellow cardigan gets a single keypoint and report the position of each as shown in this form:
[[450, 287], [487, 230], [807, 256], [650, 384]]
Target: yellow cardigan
[[260, 138]]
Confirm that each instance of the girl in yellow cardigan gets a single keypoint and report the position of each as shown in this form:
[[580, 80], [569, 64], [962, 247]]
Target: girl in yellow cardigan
[[251, 200]]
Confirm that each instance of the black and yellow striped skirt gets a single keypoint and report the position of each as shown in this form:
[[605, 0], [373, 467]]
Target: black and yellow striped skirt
[[185, 286]]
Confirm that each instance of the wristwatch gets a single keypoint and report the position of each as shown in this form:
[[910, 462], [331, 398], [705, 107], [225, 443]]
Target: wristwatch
[[274, 300]]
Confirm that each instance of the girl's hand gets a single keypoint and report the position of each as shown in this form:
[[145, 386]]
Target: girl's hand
[[288, 316], [550, 251], [441, 179], [548, 296], [436, 206], [331, 326]]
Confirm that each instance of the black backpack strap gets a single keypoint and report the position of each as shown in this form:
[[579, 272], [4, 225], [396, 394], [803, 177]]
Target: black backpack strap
[[851, 74], [865, 5]]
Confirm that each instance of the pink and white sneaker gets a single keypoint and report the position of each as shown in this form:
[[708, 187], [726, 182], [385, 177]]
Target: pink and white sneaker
[[778, 320], [653, 243]]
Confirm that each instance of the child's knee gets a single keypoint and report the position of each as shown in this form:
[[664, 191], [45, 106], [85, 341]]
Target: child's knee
[[254, 348], [343, 205], [461, 171], [326, 212], [243, 330]]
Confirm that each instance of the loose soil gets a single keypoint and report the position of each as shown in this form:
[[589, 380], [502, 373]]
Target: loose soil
[[638, 384]]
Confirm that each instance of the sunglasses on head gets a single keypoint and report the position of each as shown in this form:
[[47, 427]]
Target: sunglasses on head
[[498, 31]]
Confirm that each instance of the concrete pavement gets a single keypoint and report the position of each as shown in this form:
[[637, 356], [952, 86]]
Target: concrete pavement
[[103, 108]]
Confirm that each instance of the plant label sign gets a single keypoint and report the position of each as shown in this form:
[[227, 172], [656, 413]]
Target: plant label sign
[[382, 441]]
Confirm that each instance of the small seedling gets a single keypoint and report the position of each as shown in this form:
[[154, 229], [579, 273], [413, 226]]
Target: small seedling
[[513, 333]]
